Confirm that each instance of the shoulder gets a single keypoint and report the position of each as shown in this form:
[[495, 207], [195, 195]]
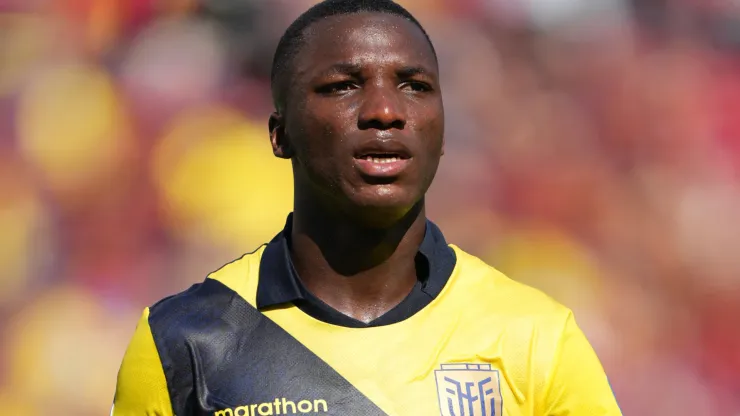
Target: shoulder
[[195, 306], [202, 325], [506, 297], [199, 308], [525, 318]]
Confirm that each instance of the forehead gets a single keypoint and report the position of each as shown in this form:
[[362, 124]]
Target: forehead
[[364, 39]]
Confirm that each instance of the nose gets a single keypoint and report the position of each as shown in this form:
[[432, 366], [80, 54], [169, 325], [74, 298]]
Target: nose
[[381, 109]]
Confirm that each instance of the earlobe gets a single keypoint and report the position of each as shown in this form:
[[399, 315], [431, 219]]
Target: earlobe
[[278, 139]]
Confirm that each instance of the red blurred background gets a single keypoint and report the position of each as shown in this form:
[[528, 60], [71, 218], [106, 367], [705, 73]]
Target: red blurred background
[[592, 152]]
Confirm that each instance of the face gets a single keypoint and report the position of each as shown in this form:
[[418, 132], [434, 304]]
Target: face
[[363, 122]]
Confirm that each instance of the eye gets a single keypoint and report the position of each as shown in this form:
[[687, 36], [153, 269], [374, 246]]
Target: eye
[[416, 86], [337, 87]]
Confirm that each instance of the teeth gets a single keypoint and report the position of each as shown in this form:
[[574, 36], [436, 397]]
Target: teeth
[[382, 159]]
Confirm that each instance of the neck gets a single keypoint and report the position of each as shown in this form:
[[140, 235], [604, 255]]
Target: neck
[[360, 270]]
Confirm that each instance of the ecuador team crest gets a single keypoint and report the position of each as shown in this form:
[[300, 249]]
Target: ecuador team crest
[[469, 390]]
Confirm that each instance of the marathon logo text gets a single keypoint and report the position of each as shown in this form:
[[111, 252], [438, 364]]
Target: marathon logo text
[[278, 407]]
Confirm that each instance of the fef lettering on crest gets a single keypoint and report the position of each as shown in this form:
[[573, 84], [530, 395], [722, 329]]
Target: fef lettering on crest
[[469, 390]]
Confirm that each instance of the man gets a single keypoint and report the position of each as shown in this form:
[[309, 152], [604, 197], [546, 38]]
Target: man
[[359, 306]]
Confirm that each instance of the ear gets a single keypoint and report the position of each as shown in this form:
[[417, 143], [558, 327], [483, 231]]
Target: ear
[[278, 139]]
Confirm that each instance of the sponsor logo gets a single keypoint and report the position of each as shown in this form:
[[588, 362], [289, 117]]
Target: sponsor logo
[[277, 407]]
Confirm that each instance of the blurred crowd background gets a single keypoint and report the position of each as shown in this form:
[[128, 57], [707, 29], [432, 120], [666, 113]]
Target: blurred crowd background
[[592, 151]]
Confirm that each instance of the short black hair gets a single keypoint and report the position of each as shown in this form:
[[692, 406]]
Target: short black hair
[[294, 37]]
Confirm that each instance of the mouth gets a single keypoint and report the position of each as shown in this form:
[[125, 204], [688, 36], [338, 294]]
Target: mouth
[[382, 165], [383, 157]]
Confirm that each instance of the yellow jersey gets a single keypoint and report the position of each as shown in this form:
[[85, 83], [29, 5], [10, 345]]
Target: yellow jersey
[[480, 345]]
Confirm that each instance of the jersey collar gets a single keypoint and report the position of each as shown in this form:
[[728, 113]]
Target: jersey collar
[[279, 282]]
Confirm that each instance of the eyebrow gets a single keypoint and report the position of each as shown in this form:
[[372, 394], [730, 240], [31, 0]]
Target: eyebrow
[[348, 68], [343, 68], [410, 71]]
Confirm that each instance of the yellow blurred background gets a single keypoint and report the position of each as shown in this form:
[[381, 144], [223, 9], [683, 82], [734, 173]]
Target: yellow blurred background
[[592, 151]]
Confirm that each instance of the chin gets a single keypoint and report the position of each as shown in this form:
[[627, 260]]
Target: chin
[[384, 205]]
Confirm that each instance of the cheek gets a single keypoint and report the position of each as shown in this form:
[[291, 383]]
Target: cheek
[[318, 143], [430, 128], [332, 129]]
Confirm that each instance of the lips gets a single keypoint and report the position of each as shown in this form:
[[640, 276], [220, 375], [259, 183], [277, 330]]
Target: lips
[[382, 149], [382, 168], [382, 158]]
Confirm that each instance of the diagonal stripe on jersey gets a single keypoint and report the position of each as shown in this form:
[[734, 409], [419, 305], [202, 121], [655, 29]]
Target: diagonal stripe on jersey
[[221, 356]]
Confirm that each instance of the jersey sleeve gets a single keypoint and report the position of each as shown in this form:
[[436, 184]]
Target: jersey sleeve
[[578, 385], [142, 387]]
